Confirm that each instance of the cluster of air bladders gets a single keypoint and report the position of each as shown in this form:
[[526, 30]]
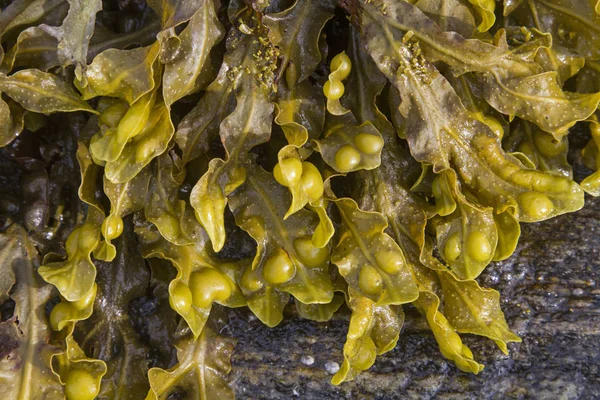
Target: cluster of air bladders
[[396, 179]]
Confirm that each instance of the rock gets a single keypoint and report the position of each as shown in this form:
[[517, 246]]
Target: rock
[[551, 297]]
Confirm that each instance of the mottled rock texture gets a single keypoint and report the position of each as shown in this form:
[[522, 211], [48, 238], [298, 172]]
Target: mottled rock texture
[[551, 297]]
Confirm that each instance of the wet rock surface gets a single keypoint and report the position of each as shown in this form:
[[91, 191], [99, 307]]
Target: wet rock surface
[[551, 297]]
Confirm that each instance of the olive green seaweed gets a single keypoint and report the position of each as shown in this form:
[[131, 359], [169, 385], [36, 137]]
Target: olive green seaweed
[[31, 333], [167, 160]]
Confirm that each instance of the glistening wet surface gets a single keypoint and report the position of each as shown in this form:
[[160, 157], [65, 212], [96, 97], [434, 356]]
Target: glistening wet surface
[[550, 295]]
